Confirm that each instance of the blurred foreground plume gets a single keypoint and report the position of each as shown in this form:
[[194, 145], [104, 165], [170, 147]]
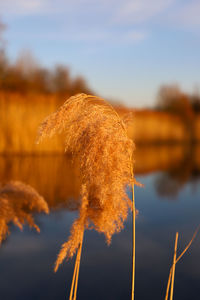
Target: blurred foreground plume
[[17, 203], [97, 137]]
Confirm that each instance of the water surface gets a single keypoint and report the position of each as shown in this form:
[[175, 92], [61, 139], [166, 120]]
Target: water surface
[[169, 202]]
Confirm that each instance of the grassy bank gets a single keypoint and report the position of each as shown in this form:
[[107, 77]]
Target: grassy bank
[[21, 115]]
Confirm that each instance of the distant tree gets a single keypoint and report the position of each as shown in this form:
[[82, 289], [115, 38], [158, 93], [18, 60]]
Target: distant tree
[[40, 81], [2, 29], [27, 75], [26, 63], [3, 63], [61, 82], [195, 102], [3, 58], [34, 77], [171, 99], [79, 85]]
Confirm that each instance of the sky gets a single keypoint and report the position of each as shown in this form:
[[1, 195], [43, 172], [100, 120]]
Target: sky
[[125, 49]]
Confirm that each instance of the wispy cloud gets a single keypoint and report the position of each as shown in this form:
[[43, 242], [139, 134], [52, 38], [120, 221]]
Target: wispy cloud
[[114, 37], [140, 11], [22, 7], [135, 36], [105, 21], [102, 37], [188, 15], [33, 7], [123, 12], [85, 21]]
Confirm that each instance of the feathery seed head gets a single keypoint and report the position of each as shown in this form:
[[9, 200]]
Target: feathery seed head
[[17, 202], [97, 136]]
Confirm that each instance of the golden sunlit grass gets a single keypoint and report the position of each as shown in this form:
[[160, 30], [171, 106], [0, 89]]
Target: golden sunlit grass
[[20, 116], [17, 203], [97, 137]]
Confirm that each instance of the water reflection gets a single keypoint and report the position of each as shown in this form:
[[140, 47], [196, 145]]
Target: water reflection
[[149, 159], [18, 201], [53, 176], [57, 179], [105, 272], [170, 182]]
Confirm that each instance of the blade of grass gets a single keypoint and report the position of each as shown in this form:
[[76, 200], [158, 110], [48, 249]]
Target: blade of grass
[[189, 244], [173, 267]]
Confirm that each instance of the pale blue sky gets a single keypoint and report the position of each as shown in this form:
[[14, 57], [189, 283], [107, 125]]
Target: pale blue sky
[[125, 48]]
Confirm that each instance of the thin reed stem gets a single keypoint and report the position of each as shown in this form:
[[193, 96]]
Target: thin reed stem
[[78, 268], [168, 284], [133, 255], [189, 244], [74, 285], [74, 276], [177, 259], [173, 267]]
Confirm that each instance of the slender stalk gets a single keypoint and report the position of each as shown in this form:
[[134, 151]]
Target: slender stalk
[[189, 244], [78, 267], [178, 258], [133, 255], [173, 267], [74, 276], [168, 284], [74, 285]]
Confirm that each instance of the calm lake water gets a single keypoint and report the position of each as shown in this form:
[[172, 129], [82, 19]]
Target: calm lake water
[[169, 202]]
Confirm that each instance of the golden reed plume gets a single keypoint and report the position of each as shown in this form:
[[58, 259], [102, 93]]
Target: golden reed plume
[[17, 202], [97, 137]]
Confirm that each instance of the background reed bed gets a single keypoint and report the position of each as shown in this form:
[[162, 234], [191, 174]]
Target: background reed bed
[[156, 127], [21, 115]]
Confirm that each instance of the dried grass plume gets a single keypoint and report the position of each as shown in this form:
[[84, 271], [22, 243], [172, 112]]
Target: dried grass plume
[[17, 203], [97, 136]]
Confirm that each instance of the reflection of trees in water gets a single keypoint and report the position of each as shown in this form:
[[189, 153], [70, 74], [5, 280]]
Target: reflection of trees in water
[[170, 183], [57, 178], [17, 203], [54, 176]]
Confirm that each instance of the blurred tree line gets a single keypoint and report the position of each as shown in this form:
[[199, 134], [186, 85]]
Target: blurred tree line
[[186, 106], [27, 75], [171, 99]]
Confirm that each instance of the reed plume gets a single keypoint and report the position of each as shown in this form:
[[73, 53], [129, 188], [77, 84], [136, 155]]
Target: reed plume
[[17, 202], [97, 137]]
